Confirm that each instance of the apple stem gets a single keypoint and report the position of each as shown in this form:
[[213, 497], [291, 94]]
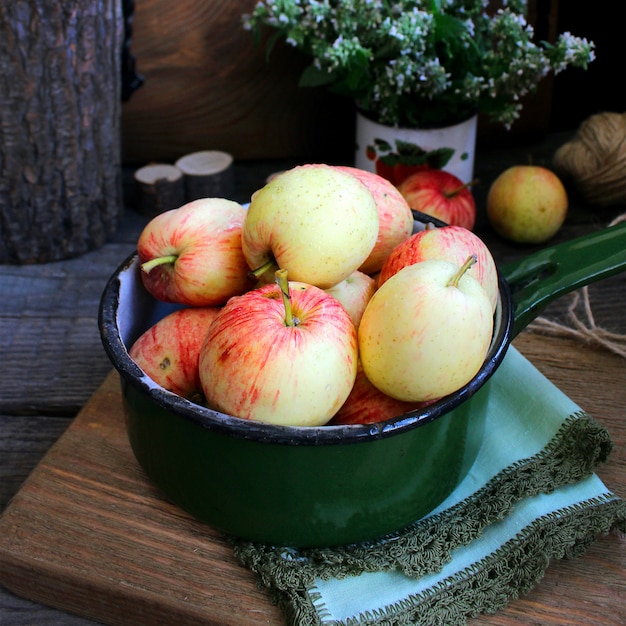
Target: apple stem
[[259, 271], [283, 283], [454, 281], [454, 192], [148, 266]]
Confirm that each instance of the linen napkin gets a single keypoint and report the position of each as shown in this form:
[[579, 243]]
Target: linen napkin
[[529, 497]]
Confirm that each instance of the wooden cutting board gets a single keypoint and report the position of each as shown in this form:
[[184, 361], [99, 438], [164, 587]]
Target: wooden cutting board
[[89, 534]]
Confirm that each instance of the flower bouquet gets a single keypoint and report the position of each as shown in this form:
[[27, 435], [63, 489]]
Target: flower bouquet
[[415, 63]]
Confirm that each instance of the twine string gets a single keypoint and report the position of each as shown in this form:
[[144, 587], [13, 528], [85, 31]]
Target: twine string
[[583, 325]]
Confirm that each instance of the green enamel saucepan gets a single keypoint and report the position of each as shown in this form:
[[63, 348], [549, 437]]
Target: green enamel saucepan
[[329, 485]]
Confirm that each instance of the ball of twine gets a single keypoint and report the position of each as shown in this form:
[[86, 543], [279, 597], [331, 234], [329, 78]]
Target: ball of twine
[[595, 159]]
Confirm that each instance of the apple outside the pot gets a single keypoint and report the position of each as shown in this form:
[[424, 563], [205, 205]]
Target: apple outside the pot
[[169, 351], [315, 221], [442, 195], [282, 354], [527, 204], [395, 220], [192, 255], [426, 331], [448, 243], [354, 293]]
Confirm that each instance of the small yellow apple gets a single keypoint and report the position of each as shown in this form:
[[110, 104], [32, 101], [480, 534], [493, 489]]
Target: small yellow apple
[[354, 293], [527, 204], [315, 221], [426, 331]]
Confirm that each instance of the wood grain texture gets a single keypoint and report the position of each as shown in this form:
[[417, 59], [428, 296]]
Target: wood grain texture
[[86, 526], [160, 187], [30, 439], [209, 86], [62, 349], [208, 174]]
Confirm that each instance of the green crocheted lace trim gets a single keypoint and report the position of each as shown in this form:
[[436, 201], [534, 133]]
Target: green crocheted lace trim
[[425, 546], [510, 572]]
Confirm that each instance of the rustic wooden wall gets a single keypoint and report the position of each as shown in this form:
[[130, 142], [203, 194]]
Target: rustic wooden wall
[[209, 87]]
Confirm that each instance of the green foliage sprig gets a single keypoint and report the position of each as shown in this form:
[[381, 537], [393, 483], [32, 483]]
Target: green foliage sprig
[[421, 62]]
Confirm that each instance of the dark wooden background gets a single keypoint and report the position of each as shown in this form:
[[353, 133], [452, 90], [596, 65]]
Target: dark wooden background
[[209, 87]]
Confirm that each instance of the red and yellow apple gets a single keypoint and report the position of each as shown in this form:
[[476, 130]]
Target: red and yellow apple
[[426, 331], [368, 405], [169, 351], [527, 204], [442, 195], [354, 293], [192, 255], [283, 354], [395, 220], [447, 243], [315, 221]]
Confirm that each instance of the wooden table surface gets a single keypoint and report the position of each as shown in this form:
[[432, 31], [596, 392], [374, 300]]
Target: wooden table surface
[[53, 362]]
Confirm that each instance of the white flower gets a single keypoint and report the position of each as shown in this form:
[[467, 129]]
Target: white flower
[[390, 55]]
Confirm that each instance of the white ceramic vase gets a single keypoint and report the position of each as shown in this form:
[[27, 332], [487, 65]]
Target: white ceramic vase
[[393, 152]]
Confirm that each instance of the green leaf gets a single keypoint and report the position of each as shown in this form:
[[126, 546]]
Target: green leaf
[[271, 42], [314, 77], [437, 159], [450, 31]]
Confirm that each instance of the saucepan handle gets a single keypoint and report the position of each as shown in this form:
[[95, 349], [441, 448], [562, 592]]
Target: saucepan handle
[[544, 276]]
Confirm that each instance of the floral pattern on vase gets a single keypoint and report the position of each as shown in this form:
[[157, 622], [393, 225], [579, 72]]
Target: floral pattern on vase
[[395, 153]]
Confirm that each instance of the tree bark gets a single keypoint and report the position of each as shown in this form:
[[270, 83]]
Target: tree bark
[[60, 109], [160, 187]]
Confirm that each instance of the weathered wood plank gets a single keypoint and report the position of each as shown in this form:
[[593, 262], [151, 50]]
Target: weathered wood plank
[[17, 611], [61, 363], [52, 354], [23, 442]]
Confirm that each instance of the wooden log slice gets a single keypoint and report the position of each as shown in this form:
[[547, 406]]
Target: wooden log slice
[[208, 174], [160, 187]]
